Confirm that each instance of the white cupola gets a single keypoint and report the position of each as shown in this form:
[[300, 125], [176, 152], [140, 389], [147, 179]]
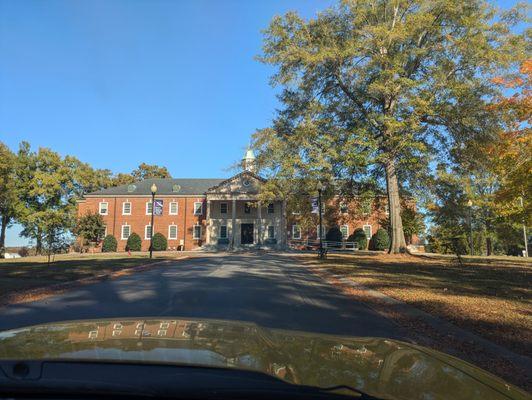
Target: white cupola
[[248, 161]]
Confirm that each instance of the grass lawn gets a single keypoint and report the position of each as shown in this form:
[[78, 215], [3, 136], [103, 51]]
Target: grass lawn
[[33, 272], [489, 297]]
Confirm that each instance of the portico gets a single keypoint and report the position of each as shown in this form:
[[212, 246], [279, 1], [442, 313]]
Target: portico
[[237, 218]]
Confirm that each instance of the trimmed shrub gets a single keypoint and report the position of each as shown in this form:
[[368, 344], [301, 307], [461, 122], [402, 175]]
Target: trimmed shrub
[[159, 242], [380, 240], [134, 242], [359, 236], [109, 244], [334, 235]]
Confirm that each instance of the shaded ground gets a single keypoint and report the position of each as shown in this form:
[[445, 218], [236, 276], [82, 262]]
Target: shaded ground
[[21, 274], [491, 299]]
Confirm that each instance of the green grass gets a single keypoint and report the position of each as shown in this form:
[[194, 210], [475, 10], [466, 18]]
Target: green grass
[[491, 297], [33, 272]]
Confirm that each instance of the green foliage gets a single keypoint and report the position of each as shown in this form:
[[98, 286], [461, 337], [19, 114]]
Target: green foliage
[[159, 242], [373, 88], [334, 235], [359, 236], [412, 223], [109, 244], [147, 171], [10, 206], [134, 242], [90, 228], [380, 240]]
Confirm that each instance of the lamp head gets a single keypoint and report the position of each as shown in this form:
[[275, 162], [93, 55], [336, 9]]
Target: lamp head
[[153, 188], [319, 186], [469, 203]]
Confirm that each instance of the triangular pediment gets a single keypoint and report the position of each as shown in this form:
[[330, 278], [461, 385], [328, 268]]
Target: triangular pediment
[[244, 182]]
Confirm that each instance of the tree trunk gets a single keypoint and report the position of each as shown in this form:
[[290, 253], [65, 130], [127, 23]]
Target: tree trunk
[[397, 239], [38, 242], [4, 222]]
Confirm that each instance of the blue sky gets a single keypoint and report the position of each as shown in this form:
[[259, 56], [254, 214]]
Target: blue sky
[[120, 82]]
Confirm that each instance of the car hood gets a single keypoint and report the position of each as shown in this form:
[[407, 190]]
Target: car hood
[[384, 368]]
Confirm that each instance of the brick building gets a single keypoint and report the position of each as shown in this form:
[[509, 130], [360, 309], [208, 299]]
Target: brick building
[[219, 213]]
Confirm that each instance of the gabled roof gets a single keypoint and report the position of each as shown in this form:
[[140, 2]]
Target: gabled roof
[[170, 186], [225, 181]]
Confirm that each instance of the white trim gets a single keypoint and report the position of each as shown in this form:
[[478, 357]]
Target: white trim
[[293, 231], [226, 207], [170, 208], [194, 232], [146, 237], [201, 209], [147, 204], [346, 230], [122, 232], [105, 231], [169, 235], [370, 231], [106, 208], [226, 231], [323, 232], [124, 206]]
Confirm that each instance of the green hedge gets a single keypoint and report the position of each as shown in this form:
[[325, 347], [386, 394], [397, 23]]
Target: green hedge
[[334, 235], [109, 244], [159, 242], [134, 242], [380, 240], [359, 236]]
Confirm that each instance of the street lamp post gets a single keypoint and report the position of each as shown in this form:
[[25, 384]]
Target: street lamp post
[[320, 189], [153, 191], [525, 236], [470, 205]]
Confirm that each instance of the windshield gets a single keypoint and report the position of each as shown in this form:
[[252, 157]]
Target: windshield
[[330, 193]]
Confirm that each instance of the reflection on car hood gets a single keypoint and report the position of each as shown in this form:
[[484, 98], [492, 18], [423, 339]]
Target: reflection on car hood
[[384, 368]]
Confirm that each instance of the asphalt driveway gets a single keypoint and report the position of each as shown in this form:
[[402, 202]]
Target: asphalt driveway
[[271, 290]]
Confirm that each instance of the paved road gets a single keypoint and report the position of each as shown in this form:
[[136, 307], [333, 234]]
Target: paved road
[[271, 290]]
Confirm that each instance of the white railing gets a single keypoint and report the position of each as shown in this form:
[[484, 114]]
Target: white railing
[[313, 244]]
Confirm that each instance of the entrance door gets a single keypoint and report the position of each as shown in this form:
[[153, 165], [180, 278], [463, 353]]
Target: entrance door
[[247, 233]]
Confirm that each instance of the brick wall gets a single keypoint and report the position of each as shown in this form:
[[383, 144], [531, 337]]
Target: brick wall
[[185, 218]]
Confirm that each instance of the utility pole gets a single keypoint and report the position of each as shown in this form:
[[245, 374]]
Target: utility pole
[[320, 233], [525, 236]]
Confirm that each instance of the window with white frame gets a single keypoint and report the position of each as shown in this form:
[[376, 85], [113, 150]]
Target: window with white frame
[[149, 207], [196, 233], [296, 232], [271, 208], [173, 208], [147, 232], [172, 232], [345, 231], [343, 208], [271, 232], [103, 208], [126, 208], [126, 231], [367, 231], [161, 332], [198, 208], [223, 232], [323, 230], [223, 208], [93, 334]]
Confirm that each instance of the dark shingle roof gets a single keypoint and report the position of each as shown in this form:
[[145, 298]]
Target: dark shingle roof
[[169, 186]]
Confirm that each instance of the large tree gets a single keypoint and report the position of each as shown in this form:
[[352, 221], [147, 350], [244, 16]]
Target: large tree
[[147, 171], [9, 190], [381, 86]]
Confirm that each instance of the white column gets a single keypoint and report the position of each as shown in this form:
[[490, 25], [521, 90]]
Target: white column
[[259, 226], [208, 223], [233, 223], [283, 224]]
